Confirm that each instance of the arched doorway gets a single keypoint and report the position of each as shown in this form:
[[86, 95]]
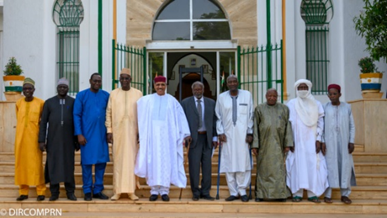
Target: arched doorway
[[186, 85]]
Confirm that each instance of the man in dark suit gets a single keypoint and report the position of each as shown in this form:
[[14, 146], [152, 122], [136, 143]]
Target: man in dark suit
[[200, 113]]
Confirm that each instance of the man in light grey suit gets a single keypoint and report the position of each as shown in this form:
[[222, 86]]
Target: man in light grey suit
[[200, 113]]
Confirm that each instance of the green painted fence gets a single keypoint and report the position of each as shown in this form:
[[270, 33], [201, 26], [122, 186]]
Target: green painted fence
[[259, 69], [132, 58]]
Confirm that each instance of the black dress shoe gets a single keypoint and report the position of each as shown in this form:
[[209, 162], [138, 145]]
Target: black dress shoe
[[231, 198], [71, 197], [207, 197], [153, 197], [22, 197], [195, 198], [88, 197], [40, 198], [244, 198], [258, 199], [54, 197], [100, 196], [165, 197]]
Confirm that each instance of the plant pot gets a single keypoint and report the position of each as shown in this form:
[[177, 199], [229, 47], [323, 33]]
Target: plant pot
[[371, 82], [12, 96], [13, 83]]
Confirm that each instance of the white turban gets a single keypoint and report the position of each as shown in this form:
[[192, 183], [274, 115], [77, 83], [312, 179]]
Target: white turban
[[306, 105]]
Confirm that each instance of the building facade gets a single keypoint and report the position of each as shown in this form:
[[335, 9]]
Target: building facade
[[187, 40]]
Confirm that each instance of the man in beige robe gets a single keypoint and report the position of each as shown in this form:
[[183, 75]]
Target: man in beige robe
[[121, 124]]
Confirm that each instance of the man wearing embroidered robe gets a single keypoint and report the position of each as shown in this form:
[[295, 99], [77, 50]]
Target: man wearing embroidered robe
[[121, 124], [338, 145], [162, 128], [305, 165], [89, 122], [28, 157], [59, 141], [272, 140], [235, 110]]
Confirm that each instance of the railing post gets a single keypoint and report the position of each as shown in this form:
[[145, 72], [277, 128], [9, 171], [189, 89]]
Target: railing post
[[239, 67], [268, 45], [113, 64], [144, 69]]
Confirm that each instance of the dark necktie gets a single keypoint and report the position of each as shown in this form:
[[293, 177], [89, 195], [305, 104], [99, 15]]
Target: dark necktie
[[199, 107]]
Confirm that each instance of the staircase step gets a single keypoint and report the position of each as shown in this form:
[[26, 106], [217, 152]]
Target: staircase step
[[358, 192], [10, 156], [201, 208], [361, 178], [369, 157], [364, 167]]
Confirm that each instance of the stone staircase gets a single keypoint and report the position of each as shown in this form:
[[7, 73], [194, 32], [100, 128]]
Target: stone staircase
[[369, 197]]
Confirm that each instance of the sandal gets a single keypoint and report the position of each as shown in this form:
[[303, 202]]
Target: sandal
[[297, 199], [346, 200], [314, 199], [328, 200]]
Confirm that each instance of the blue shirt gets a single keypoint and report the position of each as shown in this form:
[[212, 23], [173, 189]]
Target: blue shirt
[[89, 121]]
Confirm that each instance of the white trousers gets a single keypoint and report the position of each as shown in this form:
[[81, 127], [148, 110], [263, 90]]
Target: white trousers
[[156, 190], [300, 193], [238, 182], [344, 192]]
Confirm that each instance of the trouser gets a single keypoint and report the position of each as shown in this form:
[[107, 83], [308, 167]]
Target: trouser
[[344, 192], [99, 171], [300, 193], [200, 155], [238, 182], [40, 189], [69, 186], [158, 189]]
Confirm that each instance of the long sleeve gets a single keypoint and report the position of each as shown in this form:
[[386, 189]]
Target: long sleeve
[[256, 129], [351, 126], [43, 123], [108, 121], [288, 140], [320, 122], [250, 123], [78, 108]]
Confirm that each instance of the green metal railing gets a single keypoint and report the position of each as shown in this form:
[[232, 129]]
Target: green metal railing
[[68, 15], [317, 60], [132, 58], [68, 59], [258, 73]]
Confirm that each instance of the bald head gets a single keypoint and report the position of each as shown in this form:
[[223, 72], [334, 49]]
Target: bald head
[[271, 96]]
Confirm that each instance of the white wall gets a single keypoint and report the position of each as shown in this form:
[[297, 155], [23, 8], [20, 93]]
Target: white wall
[[30, 38]]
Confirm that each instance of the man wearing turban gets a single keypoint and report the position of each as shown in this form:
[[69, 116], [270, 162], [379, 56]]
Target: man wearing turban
[[56, 137], [305, 165], [28, 157], [163, 127], [121, 124]]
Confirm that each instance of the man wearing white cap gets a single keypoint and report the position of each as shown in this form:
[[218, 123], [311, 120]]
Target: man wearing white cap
[[122, 132], [59, 141], [305, 165]]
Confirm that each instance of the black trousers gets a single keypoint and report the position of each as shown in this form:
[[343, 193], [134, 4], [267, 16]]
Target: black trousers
[[69, 186], [200, 157]]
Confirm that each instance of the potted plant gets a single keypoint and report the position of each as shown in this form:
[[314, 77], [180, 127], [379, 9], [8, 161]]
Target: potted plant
[[13, 81], [370, 78]]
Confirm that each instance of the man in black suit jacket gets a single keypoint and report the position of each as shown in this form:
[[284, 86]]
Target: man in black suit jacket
[[203, 138]]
